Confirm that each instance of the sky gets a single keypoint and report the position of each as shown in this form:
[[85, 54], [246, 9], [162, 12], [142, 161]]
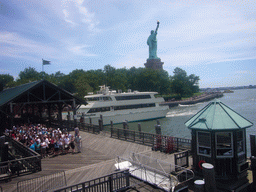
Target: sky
[[213, 39]]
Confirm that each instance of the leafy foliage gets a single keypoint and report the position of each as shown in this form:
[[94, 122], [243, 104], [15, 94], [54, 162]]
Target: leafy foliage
[[182, 84], [80, 82], [6, 81]]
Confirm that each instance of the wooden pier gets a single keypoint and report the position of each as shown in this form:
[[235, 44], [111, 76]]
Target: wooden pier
[[98, 156]]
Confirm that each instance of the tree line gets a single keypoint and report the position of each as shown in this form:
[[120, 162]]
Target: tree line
[[80, 82]]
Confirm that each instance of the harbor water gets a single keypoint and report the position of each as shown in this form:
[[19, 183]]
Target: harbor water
[[242, 101]]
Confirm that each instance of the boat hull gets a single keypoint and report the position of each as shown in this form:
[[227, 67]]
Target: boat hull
[[131, 116]]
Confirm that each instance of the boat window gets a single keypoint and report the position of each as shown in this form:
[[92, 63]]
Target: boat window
[[132, 97], [123, 107], [204, 143], [224, 144], [105, 98], [93, 99], [101, 109]]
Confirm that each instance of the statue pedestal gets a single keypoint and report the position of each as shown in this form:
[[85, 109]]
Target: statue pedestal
[[154, 64]]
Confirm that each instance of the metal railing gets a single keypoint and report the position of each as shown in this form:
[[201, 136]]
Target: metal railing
[[181, 159], [89, 127], [44, 183], [163, 143], [69, 124], [114, 182], [24, 165], [157, 172], [27, 161]]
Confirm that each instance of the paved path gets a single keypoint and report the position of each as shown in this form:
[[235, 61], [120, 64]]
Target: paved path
[[97, 158]]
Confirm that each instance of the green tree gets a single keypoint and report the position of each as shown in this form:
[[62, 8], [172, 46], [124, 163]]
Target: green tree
[[109, 73], [29, 74], [142, 79], [182, 84], [68, 84], [120, 80], [82, 87], [6, 81]]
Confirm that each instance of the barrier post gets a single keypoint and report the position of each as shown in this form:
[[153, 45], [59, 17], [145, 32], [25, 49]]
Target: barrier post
[[209, 177]]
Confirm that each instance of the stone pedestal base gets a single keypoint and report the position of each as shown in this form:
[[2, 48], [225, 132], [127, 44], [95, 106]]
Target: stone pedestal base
[[154, 64]]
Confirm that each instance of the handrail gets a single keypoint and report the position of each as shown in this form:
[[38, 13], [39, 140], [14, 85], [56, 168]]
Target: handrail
[[102, 184], [25, 158], [21, 145], [43, 183], [145, 167], [153, 134], [30, 163], [163, 143]]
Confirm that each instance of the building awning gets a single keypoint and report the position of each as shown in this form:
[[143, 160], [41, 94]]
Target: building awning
[[38, 92]]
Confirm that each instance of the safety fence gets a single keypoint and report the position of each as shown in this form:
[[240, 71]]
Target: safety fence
[[162, 143], [89, 127], [114, 182], [70, 125], [181, 159], [160, 173], [22, 159], [44, 183]]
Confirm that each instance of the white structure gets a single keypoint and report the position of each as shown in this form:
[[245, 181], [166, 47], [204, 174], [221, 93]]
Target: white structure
[[154, 171], [119, 107]]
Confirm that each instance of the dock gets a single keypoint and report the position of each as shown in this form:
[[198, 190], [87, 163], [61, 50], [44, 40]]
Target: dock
[[97, 158], [194, 100]]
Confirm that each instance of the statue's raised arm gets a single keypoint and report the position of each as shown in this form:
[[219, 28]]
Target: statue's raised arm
[[152, 43], [157, 27]]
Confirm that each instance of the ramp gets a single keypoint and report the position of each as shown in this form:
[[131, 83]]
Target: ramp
[[156, 172]]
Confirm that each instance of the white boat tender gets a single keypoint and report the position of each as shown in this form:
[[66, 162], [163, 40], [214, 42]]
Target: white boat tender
[[119, 107]]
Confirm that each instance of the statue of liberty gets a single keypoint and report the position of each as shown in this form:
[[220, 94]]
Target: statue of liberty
[[152, 43]]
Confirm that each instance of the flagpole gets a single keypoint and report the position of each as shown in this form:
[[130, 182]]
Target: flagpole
[[43, 67]]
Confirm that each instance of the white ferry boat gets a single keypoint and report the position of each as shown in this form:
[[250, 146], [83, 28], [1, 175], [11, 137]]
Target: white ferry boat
[[119, 107]]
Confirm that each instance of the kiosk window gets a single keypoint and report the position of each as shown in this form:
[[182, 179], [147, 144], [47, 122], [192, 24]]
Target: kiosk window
[[224, 144], [240, 142], [240, 146], [204, 143]]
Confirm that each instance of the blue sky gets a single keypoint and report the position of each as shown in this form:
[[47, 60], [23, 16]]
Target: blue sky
[[212, 39]]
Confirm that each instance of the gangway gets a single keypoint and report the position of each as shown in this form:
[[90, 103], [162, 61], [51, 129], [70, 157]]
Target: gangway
[[160, 173]]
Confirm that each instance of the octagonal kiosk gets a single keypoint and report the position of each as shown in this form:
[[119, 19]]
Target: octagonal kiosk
[[219, 138]]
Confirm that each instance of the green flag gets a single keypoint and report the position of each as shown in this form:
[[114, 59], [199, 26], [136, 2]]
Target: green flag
[[46, 62]]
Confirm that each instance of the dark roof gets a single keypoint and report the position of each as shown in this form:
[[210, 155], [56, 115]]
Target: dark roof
[[8, 95], [217, 116], [15, 93]]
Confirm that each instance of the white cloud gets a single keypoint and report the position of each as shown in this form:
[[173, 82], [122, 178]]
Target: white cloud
[[81, 50], [87, 17], [66, 14], [14, 45]]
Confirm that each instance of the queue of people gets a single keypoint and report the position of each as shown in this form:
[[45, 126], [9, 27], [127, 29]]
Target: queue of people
[[46, 141]]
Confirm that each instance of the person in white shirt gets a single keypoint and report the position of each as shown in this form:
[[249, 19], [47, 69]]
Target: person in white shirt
[[66, 143], [43, 148], [78, 143]]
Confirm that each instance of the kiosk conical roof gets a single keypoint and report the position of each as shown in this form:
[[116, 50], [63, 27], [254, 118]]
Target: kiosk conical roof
[[217, 116]]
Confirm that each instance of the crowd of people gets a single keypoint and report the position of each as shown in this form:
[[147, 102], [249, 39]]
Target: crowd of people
[[46, 141]]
